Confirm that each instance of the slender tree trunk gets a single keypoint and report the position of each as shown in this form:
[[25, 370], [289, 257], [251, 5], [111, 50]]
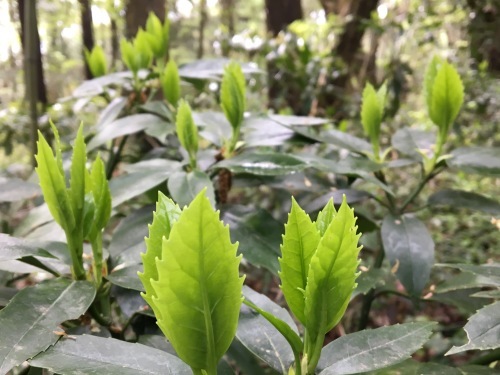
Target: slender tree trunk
[[279, 14], [41, 90], [201, 29], [115, 45], [227, 19], [87, 32], [137, 11]]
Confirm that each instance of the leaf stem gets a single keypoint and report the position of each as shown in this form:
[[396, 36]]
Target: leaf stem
[[419, 188], [114, 157]]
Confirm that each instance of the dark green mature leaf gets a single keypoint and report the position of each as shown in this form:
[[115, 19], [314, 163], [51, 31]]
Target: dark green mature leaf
[[263, 131], [408, 242], [92, 355], [464, 280], [413, 367], [210, 69], [483, 330], [276, 315], [126, 277], [111, 112], [489, 271], [332, 274], [165, 216], [410, 141], [198, 291], [259, 235], [336, 138], [262, 339], [184, 186], [15, 248], [128, 238], [352, 196], [125, 126], [6, 294], [15, 189], [480, 160], [299, 245], [36, 217], [368, 280], [28, 322], [299, 120], [126, 187], [373, 349], [264, 164], [464, 199]]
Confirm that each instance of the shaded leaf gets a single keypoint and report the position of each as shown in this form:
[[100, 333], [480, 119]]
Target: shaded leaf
[[480, 160], [465, 199], [111, 112], [184, 186], [259, 235], [408, 242], [373, 349], [15, 189], [16, 248], [265, 164], [409, 141], [483, 330], [28, 322], [90, 355], [488, 271], [127, 278]]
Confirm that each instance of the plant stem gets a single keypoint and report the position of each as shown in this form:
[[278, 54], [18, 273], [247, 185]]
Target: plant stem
[[313, 359], [418, 189], [114, 158], [370, 296], [75, 248], [390, 199]]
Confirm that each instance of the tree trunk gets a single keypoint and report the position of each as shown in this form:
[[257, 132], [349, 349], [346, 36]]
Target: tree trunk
[[227, 19], [41, 89], [281, 13], [115, 44], [87, 32], [137, 11], [201, 29]]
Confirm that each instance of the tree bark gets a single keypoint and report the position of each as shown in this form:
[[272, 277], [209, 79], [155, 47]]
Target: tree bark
[[201, 29], [137, 11], [227, 19], [87, 32], [41, 89], [281, 13]]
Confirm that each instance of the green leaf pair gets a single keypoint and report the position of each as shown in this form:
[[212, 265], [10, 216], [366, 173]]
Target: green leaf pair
[[372, 113], [158, 35], [137, 54], [192, 283], [233, 100], [318, 270], [96, 60], [444, 93], [82, 209]]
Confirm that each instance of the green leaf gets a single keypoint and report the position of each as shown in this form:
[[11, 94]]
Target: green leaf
[[184, 186], [53, 183], [127, 52], [372, 112], [28, 322], [480, 160], [262, 339], [16, 248], [489, 271], [91, 355], [300, 241], [430, 76], [262, 164], [259, 234], [414, 142], [96, 60], [111, 112], [15, 189], [101, 194], [374, 348], [332, 275], [232, 95], [326, 216], [170, 83], [166, 214], [76, 191], [464, 199], [408, 242], [278, 319], [187, 131], [198, 289], [126, 277], [483, 330], [447, 97], [126, 126]]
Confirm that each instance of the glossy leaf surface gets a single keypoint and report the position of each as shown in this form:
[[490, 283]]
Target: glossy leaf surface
[[28, 322], [465, 199], [408, 242], [184, 186], [92, 355], [373, 349], [480, 160]]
